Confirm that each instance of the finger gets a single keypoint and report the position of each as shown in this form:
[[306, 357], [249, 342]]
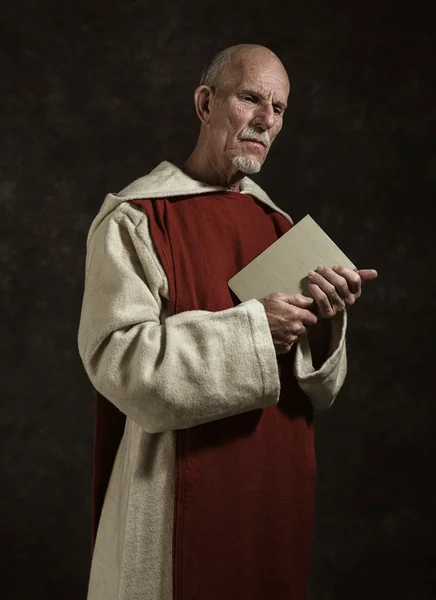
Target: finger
[[328, 288], [307, 317], [291, 336], [325, 309], [339, 282], [367, 274], [352, 277], [300, 317], [298, 329], [298, 300]]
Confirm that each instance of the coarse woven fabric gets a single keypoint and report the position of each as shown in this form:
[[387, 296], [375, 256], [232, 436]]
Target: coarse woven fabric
[[167, 372]]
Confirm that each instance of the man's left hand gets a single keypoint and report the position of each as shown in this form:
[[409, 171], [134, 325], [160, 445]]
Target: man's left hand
[[336, 288]]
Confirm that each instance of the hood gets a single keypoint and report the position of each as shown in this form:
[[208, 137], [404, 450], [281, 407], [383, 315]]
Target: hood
[[165, 181]]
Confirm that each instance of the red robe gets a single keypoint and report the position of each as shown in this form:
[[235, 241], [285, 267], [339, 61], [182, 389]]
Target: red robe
[[245, 485]]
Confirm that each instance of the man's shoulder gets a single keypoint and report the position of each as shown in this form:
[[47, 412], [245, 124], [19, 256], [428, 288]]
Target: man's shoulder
[[152, 183], [118, 206], [165, 181]]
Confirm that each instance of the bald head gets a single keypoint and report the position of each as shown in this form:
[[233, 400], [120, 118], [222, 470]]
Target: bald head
[[230, 63]]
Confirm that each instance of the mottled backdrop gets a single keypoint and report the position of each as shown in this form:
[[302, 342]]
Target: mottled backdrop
[[93, 95]]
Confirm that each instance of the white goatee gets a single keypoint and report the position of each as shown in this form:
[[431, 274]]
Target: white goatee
[[246, 165]]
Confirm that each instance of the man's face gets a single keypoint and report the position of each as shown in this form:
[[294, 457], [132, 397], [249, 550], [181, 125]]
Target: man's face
[[249, 103]]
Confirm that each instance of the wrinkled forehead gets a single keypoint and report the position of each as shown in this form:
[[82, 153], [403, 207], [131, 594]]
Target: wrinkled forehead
[[264, 76]]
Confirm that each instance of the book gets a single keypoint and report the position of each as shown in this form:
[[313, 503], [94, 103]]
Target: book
[[283, 266]]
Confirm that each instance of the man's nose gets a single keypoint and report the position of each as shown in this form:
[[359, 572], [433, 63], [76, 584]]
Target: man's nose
[[264, 117]]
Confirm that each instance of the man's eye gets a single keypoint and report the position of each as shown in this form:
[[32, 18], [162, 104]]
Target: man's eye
[[249, 98]]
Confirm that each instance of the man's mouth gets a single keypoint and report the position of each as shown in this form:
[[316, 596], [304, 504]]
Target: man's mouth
[[254, 142]]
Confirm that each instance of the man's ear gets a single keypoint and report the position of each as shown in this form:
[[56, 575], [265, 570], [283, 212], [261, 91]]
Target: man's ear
[[202, 98]]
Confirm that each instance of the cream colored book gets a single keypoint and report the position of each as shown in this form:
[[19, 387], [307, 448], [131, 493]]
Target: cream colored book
[[283, 267]]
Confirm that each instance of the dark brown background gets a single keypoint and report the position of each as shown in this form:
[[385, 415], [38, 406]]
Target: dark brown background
[[93, 95]]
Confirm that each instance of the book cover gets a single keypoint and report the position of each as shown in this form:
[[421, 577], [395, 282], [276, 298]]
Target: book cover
[[283, 266]]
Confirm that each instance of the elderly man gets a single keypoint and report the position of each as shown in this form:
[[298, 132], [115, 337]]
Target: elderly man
[[204, 455]]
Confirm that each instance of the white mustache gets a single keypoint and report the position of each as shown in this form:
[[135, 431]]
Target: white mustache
[[252, 134]]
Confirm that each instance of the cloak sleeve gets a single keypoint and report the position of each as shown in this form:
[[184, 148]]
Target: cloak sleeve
[[166, 373], [323, 385]]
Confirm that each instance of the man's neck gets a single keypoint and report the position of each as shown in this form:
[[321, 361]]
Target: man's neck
[[200, 167]]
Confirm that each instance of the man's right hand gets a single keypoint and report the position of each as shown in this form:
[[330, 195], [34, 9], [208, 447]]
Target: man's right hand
[[288, 316]]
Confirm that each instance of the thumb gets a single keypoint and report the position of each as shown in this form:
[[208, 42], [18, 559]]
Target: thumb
[[367, 274]]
